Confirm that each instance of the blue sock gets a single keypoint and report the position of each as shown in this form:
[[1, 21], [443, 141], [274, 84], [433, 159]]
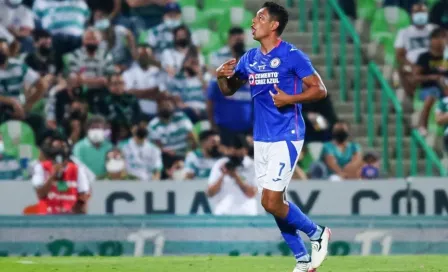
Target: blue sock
[[293, 240], [297, 219]]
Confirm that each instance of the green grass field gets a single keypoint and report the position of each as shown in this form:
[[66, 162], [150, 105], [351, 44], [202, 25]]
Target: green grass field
[[220, 264]]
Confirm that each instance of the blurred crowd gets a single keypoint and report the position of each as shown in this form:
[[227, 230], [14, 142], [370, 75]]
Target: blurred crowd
[[125, 90]]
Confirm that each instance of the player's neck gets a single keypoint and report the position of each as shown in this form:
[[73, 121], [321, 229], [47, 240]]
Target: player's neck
[[269, 43]]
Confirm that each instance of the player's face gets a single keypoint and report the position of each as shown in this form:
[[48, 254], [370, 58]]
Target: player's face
[[262, 25]]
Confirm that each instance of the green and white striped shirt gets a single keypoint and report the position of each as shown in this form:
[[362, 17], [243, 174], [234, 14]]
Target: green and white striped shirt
[[15, 78], [159, 38], [219, 57], [196, 163], [190, 89], [62, 17], [174, 134], [101, 64]]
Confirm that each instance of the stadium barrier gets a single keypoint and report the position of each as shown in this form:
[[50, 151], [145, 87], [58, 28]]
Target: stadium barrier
[[431, 158]]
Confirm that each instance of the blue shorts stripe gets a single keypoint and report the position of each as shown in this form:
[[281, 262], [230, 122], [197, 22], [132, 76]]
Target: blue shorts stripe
[[292, 153]]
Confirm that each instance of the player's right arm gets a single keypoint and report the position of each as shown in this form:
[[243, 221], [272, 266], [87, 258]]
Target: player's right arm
[[229, 81]]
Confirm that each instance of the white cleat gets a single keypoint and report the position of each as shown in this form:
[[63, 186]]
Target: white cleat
[[303, 267], [319, 249]]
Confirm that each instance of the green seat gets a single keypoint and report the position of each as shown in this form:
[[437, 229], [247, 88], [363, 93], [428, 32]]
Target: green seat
[[200, 127], [234, 17], [207, 40], [186, 3], [366, 9], [190, 14], [431, 3], [216, 8], [386, 23], [14, 134], [389, 50]]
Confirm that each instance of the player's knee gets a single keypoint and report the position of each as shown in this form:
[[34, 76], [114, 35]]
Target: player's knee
[[271, 204]]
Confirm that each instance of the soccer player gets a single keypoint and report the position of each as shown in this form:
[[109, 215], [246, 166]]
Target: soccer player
[[276, 71]]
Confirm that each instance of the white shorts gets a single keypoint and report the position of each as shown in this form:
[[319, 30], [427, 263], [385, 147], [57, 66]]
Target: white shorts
[[275, 163]]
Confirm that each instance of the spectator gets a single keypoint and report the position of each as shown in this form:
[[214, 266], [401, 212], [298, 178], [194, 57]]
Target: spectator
[[61, 185], [65, 20], [407, 5], [144, 80], [44, 60], [143, 159], [92, 149], [430, 72], [19, 83], [442, 119], [171, 131], [174, 168], [118, 107], [235, 48], [199, 162], [439, 14], [341, 156], [230, 115], [75, 119], [17, 23], [9, 166], [173, 58], [160, 37], [188, 88], [231, 185], [410, 43], [371, 167], [116, 167], [117, 40], [91, 65], [111, 7]]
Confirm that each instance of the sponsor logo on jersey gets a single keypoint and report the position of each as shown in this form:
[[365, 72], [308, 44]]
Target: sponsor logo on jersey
[[264, 78]]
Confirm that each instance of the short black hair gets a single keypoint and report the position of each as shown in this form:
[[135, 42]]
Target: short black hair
[[203, 136], [236, 30], [438, 33], [40, 33], [279, 14], [182, 27]]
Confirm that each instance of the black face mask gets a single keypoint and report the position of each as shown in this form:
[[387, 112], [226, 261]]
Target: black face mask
[[251, 152], [214, 152], [44, 51], [340, 136], [190, 71], [235, 161], [165, 114], [239, 48], [91, 48], [3, 57], [77, 115], [182, 43], [141, 133]]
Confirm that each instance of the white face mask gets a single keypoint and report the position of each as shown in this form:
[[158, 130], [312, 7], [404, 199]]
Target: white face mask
[[179, 174], [170, 23], [96, 135], [102, 24], [420, 18], [115, 166]]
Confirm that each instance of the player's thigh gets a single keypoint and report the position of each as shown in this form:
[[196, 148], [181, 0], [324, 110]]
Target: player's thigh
[[282, 159]]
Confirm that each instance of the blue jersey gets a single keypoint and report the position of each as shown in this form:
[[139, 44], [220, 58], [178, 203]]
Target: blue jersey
[[286, 66]]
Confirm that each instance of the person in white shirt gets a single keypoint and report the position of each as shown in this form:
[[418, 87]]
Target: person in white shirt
[[231, 185], [143, 159], [145, 80], [173, 58], [411, 42], [199, 162]]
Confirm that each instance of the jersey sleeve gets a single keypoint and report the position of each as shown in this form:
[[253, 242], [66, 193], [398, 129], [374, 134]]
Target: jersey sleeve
[[240, 69], [399, 41], [301, 64], [38, 178], [212, 90]]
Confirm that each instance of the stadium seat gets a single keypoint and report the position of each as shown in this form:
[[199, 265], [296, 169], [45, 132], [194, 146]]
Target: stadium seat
[[431, 3], [234, 17], [199, 127], [187, 3], [366, 9], [216, 8], [14, 134], [190, 14], [389, 50], [207, 40], [386, 23]]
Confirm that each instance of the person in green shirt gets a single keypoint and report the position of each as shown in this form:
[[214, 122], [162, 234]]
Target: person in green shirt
[[442, 118], [92, 149], [116, 167], [341, 156], [200, 161]]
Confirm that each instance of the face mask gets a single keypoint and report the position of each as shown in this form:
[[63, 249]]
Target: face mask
[[141, 133], [144, 61], [102, 24], [181, 43], [190, 71], [214, 152], [91, 48], [3, 57], [165, 114], [170, 23], [2, 147], [96, 135], [420, 18], [115, 166], [239, 48], [251, 152], [340, 136], [44, 51], [179, 174], [235, 161]]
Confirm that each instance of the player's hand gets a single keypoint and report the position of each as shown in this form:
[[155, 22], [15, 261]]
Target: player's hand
[[281, 98], [227, 69]]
